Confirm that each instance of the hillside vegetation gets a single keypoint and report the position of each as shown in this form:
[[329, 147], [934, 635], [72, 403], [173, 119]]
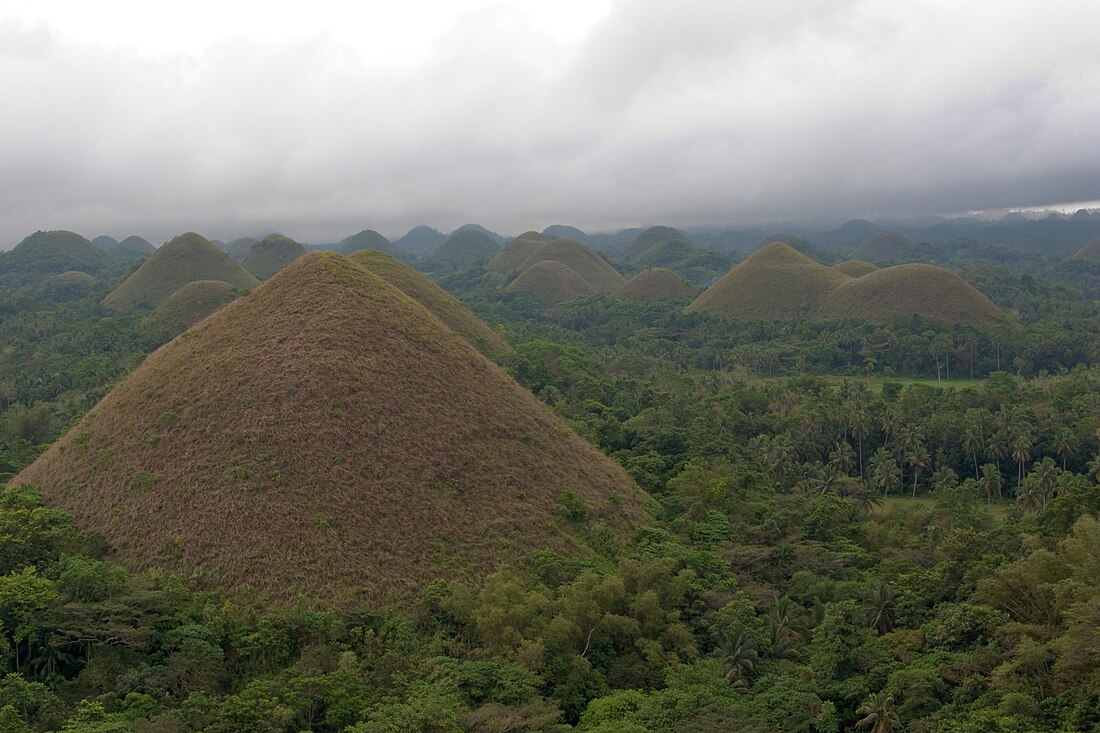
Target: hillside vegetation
[[465, 247], [551, 282], [593, 269], [187, 258], [370, 239], [656, 283], [271, 255], [510, 259], [855, 268], [189, 305], [52, 253], [326, 436]]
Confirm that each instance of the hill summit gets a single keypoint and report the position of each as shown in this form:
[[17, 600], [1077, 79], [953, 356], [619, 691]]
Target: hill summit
[[187, 258], [326, 437], [271, 255], [656, 283], [52, 253]]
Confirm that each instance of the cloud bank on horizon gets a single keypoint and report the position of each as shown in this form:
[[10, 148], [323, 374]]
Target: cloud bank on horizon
[[702, 112]]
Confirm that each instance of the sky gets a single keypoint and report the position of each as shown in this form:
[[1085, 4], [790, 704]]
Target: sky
[[320, 119]]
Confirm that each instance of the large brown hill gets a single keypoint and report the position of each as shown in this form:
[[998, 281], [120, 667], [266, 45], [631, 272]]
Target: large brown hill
[[776, 282], [551, 282], [656, 283], [905, 290], [326, 437], [515, 253], [187, 258], [590, 266], [445, 306]]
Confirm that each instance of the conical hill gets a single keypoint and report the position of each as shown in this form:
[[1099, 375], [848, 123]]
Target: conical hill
[[445, 306], [370, 239], [327, 437], [776, 282], [905, 290], [238, 249], [132, 249], [656, 283], [590, 266], [187, 258], [271, 255], [855, 268], [885, 247], [51, 253], [189, 305], [550, 282], [1089, 253], [515, 253]]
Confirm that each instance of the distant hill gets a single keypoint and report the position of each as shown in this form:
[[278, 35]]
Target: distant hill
[[478, 228], [271, 255], [370, 239], [656, 283], [131, 249], [189, 305], [442, 304], [421, 240], [104, 243], [238, 249], [886, 248], [800, 244], [776, 282], [656, 238], [51, 253], [187, 258], [465, 247], [594, 269], [70, 285], [564, 231], [851, 232], [327, 438], [855, 268], [1088, 253], [509, 260], [551, 282], [905, 290]]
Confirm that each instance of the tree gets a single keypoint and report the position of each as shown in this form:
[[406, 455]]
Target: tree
[[885, 473], [1045, 473], [990, 481], [1066, 445], [880, 603], [919, 459], [842, 458], [860, 424], [738, 655], [878, 713], [972, 443], [1021, 451]]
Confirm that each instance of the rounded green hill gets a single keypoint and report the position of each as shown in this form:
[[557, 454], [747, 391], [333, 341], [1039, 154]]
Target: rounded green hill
[[370, 239], [510, 259], [70, 285], [437, 300], [656, 283], [187, 258], [132, 249], [776, 282], [465, 247], [657, 246], [855, 268], [326, 438], [271, 255], [905, 290], [551, 282], [189, 305], [885, 247], [593, 269], [238, 249], [54, 252]]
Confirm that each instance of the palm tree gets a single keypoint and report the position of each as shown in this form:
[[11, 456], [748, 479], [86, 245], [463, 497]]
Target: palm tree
[[1029, 494], [1066, 445], [1021, 451], [990, 481], [880, 602], [738, 655], [972, 443], [885, 474], [998, 447], [860, 425], [919, 458], [944, 478], [878, 712], [1045, 473], [1094, 468], [842, 458]]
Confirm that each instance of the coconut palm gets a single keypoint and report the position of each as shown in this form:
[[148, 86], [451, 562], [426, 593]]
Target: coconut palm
[[842, 458], [919, 459], [1045, 473], [880, 607], [990, 481], [860, 424], [1029, 495], [1066, 445], [1021, 451], [738, 655], [878, 713], [885, 474], [972, 443]]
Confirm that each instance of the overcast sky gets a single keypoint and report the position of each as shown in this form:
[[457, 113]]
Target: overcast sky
[[321, 119]]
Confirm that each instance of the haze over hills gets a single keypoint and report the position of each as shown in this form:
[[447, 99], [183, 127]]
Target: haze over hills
[[132, 249], [465, 247], [885, 248], [1090, 252], [421, 240], [442, 304], [656, 283], [326, 436], [187, 258], [271, 255], [238, 249]]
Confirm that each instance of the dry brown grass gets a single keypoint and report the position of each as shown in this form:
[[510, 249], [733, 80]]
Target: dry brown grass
[[189, 305], [327, 437], [437, 300], [515, 253], [594, 269], [776, 282], [905, 290], [187, 258], [656, 283], [855, 268], [551, 282]]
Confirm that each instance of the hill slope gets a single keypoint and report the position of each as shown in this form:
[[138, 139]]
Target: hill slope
[[855, 268], [1089, 253], [655, 245], [132, 249], [189, 305], [550, 282], [885, 247], [51, 253], [325, 436], [442, 304], [421, 240], [238, 249], [904, 290], [465, 247], [187, 258], [271, 255], [776, 282], [656, 283], [515, 253], [370, 239], [590, 266]]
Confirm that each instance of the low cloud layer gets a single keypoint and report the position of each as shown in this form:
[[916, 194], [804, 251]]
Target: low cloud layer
[[689, 113]]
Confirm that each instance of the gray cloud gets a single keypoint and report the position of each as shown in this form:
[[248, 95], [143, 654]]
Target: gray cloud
[[686, 113]]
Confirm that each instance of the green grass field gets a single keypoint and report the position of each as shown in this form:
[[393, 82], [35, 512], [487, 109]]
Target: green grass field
[[998, 508]]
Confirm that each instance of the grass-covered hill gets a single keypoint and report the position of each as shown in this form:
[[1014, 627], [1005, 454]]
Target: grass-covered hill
[[132, 249], [437, 300], [52, 253], [855, 268], [69, 285], [509, 260], [905, 290], [1088, 253], [551, 282], [465, 247], [189, 305], [238, 249], [594, 269], [327, 436], [187, 258], [776, 282], [656, 283], [657, 243], [370, 239], [564, 231], [104, 243], [271, 255], [885, 248], [421, 240]]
